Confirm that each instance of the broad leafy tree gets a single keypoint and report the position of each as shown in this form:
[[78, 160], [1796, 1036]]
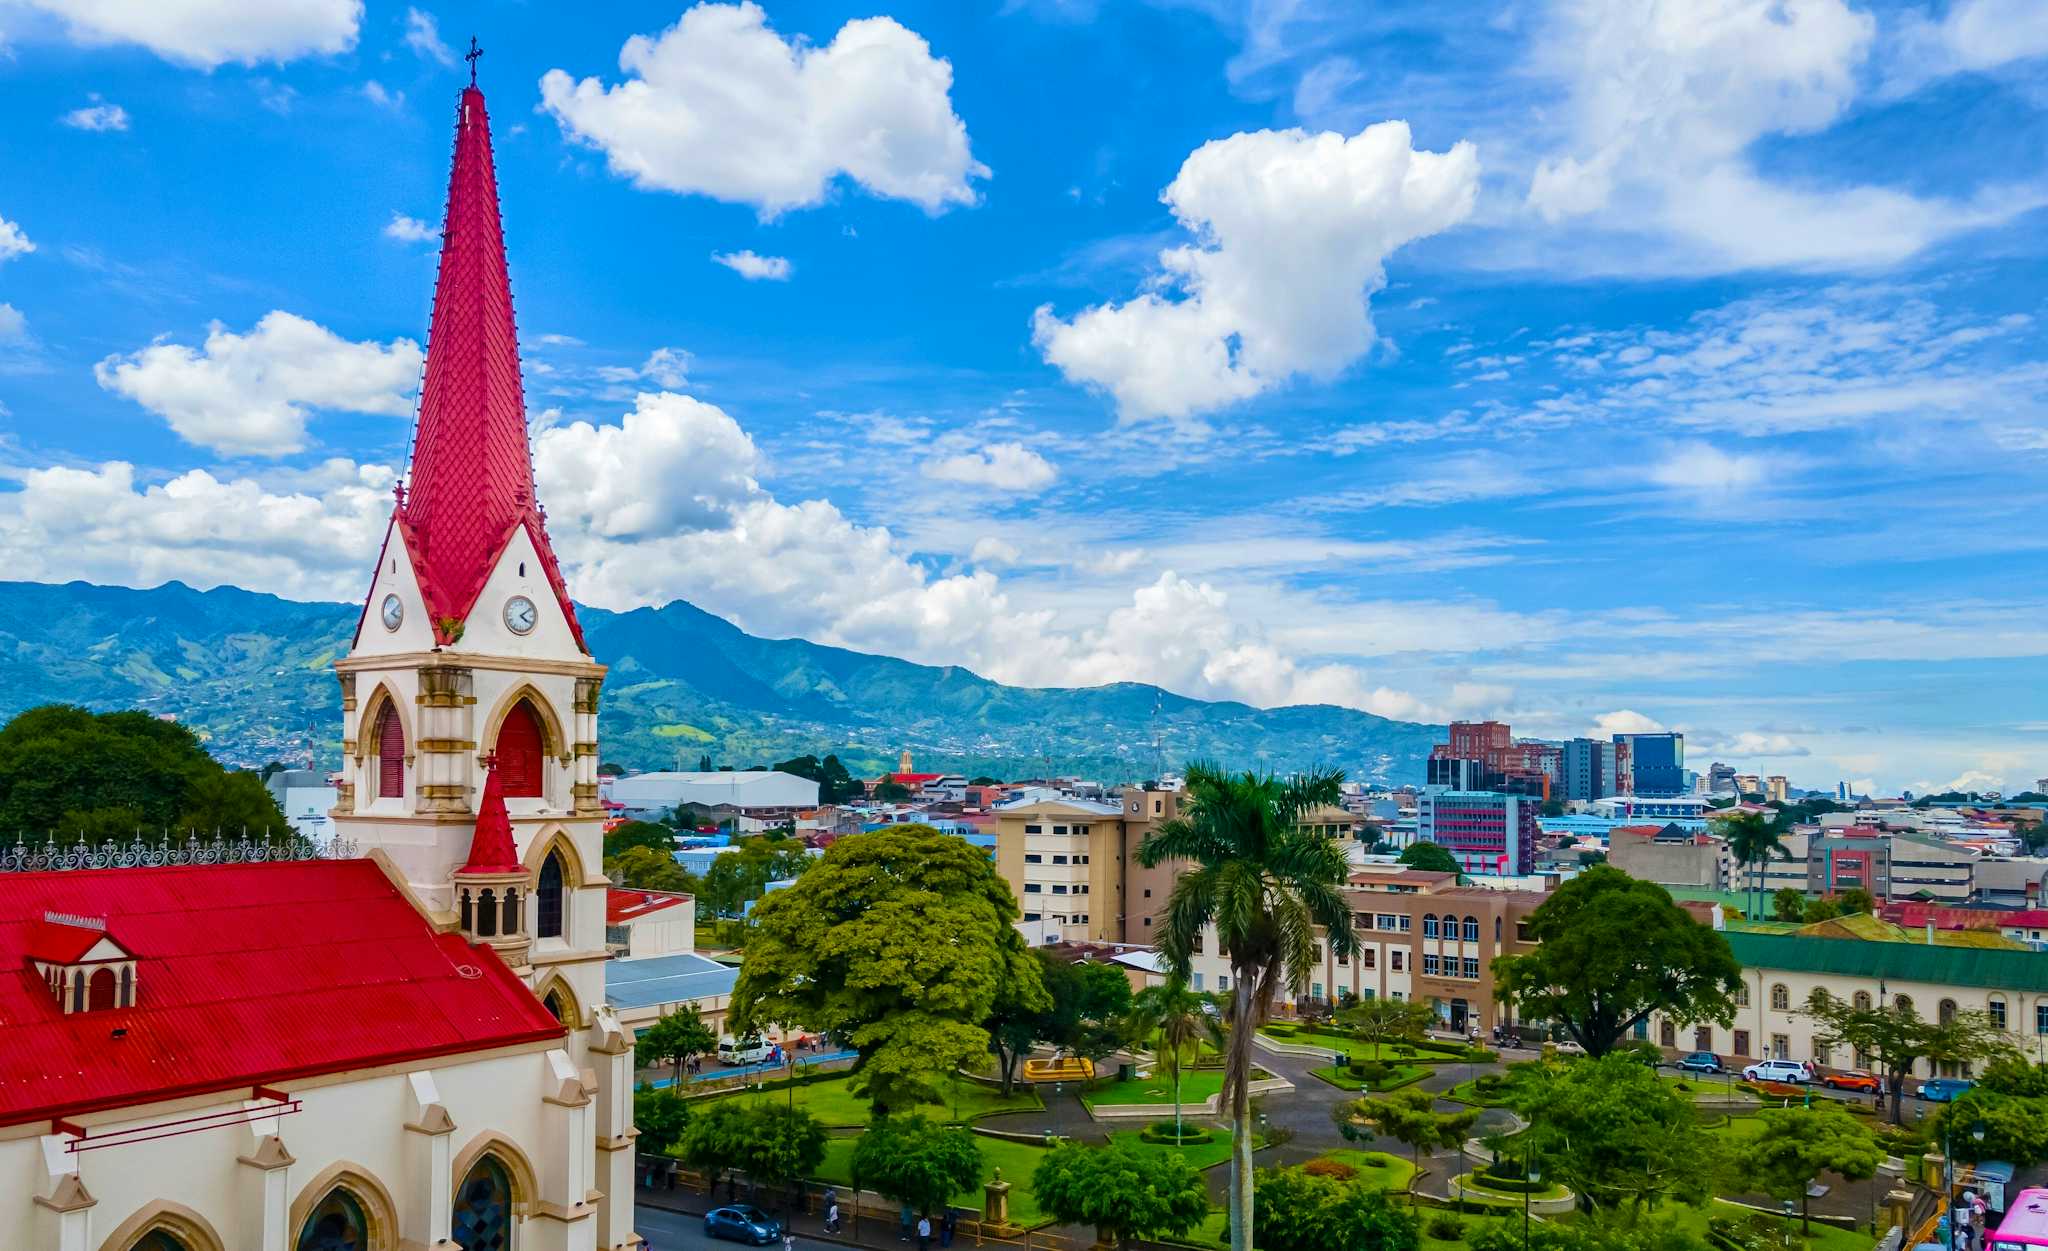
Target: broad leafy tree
[[1383, 1021], [913, 1161], [772, 1145], [1788, 904], [1798, 1144], [100, 776], [1300, 1211], [1083, 1010], [660, 1116], [650, 834], [1266, 887], [740, 876], [835, 784], [674, 1039], [1894, 1036], [644, 868], [2009, 1103], [1410, 1118], [1124, 1193], [900, 943], [1614, 1132], [1612, 950], [1430, 857]]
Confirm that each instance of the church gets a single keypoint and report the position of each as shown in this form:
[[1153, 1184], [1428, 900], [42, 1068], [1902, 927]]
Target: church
[[405, 1051]]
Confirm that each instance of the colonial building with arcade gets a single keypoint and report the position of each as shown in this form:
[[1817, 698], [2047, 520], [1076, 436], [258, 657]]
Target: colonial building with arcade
[[409, 1048]]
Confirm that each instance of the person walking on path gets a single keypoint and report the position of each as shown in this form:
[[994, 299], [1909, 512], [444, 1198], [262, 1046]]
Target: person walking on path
[[946, 1224], [924, 1233]]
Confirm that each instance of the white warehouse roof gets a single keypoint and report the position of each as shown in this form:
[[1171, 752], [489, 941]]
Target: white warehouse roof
[[756, 789]]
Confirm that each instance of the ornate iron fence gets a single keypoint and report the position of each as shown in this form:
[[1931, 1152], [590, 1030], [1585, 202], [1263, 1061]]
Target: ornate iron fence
[[139, 853]]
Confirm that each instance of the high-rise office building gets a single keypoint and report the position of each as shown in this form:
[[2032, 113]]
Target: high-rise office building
[[1656, 762], [1591, 769]]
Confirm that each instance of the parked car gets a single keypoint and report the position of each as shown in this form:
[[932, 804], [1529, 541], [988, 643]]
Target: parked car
[[1702, 1062], [744, 1050], [1798, 1071], [1850, 1079], [742, 1223], [1944, 1089]]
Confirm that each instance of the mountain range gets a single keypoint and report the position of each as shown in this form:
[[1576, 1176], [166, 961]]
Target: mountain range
[[252, 674]]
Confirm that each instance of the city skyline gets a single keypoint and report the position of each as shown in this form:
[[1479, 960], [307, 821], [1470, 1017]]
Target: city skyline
[[1677, 409]]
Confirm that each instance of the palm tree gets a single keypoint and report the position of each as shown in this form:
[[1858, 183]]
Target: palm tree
[[1266, 887], [1172, 1018], [1753, 841]]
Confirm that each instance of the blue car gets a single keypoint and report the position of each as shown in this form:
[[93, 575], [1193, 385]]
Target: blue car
[[1943, 1089], [742, 1223], [1701, 1062]]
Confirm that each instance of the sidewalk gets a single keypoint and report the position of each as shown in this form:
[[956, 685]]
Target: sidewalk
[[873, 1230]]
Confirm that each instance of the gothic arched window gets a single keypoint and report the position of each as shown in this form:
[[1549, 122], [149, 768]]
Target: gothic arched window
[[390, 754], [1862, 1001], [557, 1006], [158, 1240], [483, 1208], [511, 925], [99, 993], [337, 1224], [486, 915], [548, 895], [519, 752]]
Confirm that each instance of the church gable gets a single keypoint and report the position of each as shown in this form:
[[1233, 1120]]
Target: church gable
[[394, 592], [518, 613]]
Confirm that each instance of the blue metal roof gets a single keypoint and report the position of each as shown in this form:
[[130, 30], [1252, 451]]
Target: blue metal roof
[[652, 980]]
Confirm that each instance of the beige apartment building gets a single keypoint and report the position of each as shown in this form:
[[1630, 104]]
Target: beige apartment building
[[1073, 863]]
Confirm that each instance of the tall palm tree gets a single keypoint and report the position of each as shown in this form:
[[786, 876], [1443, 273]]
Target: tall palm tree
[[1267, 887], [1753, 841], [1173, 1019]]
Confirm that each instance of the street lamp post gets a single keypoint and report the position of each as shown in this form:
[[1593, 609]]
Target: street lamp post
[[1531, 1178]]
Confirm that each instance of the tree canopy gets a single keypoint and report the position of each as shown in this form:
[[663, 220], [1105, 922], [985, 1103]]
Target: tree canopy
[[1895, 1036], [1798, 1144], [674, 1039], [2009, 1102], [1611, 951], [649, 834], [644, 868], [1077, 1006], [660, 1116], [835, 784], [1124, 1193], [771, 1143], [1301, 1211], [900, 941], [1410, 1117], [738, 877], [110, 775], [1613, 1131], [1383, 1019], [913, 1161], [1429, 857]]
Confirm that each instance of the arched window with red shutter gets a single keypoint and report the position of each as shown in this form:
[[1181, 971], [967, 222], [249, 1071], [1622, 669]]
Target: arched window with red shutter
[[390, 754], [519, 752]]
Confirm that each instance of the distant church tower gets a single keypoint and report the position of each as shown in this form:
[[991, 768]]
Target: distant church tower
[[469, 700]]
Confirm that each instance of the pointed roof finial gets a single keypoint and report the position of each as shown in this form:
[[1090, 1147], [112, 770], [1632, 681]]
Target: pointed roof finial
[[472, 56]]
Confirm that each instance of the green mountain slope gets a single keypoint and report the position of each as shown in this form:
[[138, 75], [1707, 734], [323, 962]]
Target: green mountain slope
[[251, 673]]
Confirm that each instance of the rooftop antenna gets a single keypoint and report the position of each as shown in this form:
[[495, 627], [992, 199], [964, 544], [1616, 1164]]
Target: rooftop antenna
[[472, 56]]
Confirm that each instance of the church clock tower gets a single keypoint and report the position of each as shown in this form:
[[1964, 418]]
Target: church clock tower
[[469, 699]]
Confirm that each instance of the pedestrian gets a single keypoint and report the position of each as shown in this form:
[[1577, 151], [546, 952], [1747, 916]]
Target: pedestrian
[[788, 1241], [946, 1226], [831, 1215], [924, 1233]]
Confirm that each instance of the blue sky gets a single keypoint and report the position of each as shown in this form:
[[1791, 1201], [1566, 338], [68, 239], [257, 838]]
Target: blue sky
[[1597, 364]]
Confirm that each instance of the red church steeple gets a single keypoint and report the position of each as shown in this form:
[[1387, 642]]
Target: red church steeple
[[471, 481]]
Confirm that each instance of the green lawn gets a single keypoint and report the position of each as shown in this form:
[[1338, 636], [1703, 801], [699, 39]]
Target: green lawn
[[1476, 1183], [1398, 1075], [1016, 1159], [1196, 1085], [1381, 1170], [1708, 1088], [1358, 1050], [1199, 1154], [1823, 1238], [839, 1108]]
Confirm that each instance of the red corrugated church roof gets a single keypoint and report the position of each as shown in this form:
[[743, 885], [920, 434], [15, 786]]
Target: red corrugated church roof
[[246, 975], [623, 904], [58, 942], [491, 849], [470, 488]]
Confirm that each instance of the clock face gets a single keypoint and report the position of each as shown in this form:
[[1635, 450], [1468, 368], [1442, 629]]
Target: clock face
[[520, 614], [393, 612]]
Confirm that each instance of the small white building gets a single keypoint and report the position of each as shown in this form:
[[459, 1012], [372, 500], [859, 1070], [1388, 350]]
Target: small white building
[[649, 922], [754, 791]]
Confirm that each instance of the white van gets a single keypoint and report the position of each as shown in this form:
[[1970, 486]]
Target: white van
[[1779, 1071], [743, 1051]]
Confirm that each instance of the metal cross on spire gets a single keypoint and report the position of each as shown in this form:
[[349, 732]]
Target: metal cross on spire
[[471, 56]]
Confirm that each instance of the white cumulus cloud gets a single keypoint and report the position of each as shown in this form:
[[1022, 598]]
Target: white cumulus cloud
[[207, 33], [753, 267], [1003, 466], [1666, 99], [99, 115], [13, 241], [410, 229], [1292, 232], [13, 325], [721, 105], [673, 463], [423, 36], [1704, 468], [250, 394]]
